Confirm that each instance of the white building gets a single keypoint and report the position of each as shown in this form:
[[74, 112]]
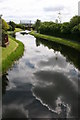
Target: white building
[[79, 8]]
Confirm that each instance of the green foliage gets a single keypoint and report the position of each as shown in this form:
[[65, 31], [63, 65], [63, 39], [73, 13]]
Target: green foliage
[[76, 29], [50, 28], [13, 25], [10, 28], [37, 25], [5, 26], [74, 21], [64, 30], [4, 34], [20, 26]]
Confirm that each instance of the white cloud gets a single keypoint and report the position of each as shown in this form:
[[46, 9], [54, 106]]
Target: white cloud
[[33, 9]]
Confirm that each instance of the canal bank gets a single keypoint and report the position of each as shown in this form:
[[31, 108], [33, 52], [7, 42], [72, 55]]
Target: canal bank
[[11, 53], [61, 41]]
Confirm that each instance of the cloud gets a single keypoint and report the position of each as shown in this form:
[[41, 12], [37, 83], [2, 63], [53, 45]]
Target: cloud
[[53, 9], [1, 1], [37, 9], [14, 111]]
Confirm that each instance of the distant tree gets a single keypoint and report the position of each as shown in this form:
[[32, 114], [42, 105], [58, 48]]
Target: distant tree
[[74, 21], [13, 25], [76, 29], [5, 26], [20, 26], [10, 28], [65, 28], [37, 24]]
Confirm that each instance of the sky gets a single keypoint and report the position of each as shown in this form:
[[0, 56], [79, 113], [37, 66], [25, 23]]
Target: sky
[[45, 10]]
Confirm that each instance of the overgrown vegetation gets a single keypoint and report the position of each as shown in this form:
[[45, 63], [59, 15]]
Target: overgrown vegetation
[[69, 30], [5, 26], [14, 55]]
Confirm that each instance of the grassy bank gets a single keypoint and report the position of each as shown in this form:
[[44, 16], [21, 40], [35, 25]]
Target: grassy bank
[[17, 30], [57, 40], [11, 53]]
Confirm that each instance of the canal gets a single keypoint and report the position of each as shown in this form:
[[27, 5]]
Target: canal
[[44, 83]]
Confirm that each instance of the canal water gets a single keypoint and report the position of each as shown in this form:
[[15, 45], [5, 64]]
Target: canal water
[[44, 83]]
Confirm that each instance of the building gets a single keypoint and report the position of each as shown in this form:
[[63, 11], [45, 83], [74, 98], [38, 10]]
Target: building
[[79, 8], [27, 23]]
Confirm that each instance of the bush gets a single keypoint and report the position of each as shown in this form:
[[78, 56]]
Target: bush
[[20, 26], [5, 26], [74, 21], [65, 29], [68, 30], [10, 28], [13, 25], [76, 29]]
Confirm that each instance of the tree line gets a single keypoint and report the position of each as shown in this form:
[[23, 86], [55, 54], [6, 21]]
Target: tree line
[[11, 25], [69, 30]]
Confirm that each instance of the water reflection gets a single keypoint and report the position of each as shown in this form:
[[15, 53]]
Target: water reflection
[[71, 55], [61, 88], [14, 111], [21, 101], [43, 83], [5, 82]]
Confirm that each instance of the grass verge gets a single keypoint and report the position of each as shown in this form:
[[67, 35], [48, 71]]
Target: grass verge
[[9, 49], [57, 40], [17, 30], [16, 51]]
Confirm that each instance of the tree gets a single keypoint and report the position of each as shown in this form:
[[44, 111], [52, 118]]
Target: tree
[[10, 28], [5, 26], [76, 29], [74, 21], [65, 29], [13, 25], [20, 26], [37, 25]]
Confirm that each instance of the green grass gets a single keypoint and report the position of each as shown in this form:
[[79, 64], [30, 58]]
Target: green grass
[[17, 30], [12, 54], [9, 49], [57, 40]]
